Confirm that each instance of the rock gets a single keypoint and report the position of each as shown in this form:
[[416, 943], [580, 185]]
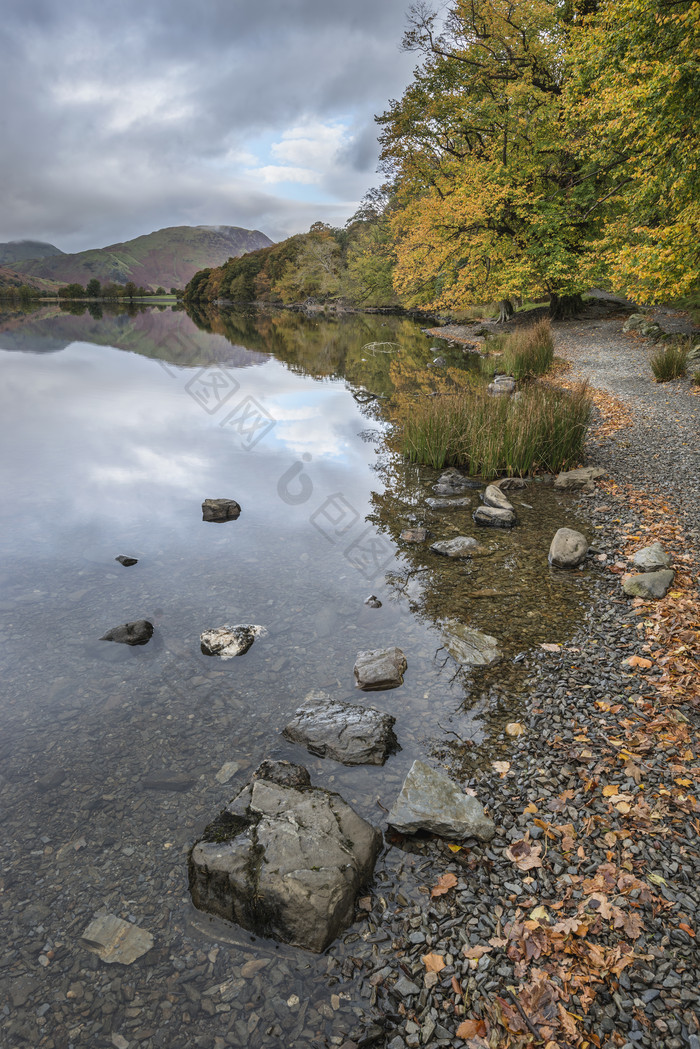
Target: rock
[[429, 800], [349, 734], [283, 772], [414, 535], [220, 510], [502, 385], [126, 561], [164, 779], [493, 517], [438, 362], [634, 322], [51, 780], [568, 549], [115, 940], [461, 546], [579, 480], [379, 669], [285, 862], [466, 645], [22, 988], [452, 481], [649, 585], [510, 482], [373, 601], [652, 558], [493, 496], [229, 641], [448, 504], [139, 632], [693, 354], [227, 771]]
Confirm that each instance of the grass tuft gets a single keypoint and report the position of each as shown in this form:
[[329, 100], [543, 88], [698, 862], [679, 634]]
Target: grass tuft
[[670, 363], [525, 353]]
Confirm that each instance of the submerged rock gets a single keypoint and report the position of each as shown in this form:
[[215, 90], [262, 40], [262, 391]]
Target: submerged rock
[[568, 549], [578, 480], [229, 641], [649, 585], [452, 482], [652, 558], [349, 734], [414, 535], [469, 646], [494, 517], [220, 510], [460, 546], [380, 669], [284, 861], [494, 497], [448, 504], [116, 940], [431, 801], [126, 561], [139, 632]]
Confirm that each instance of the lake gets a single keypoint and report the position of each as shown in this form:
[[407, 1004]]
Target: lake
[[115, 428]]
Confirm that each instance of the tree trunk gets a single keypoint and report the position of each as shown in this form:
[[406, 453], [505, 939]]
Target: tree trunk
[[563, 307], [505, 311]]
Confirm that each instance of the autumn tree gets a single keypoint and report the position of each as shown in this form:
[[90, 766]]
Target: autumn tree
[[490, 199]]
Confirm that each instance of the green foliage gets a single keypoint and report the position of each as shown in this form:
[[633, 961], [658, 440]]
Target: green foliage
[[544, 429], [93, 288], [696, 378], [71, 291], [669, 363]]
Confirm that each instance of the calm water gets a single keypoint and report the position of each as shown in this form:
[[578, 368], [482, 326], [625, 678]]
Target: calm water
[[114, 429]]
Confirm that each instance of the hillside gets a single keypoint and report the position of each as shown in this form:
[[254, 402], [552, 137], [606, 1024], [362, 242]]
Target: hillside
[[167, 258], [13, 251]]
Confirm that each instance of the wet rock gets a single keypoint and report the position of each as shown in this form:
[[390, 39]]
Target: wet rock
[[283, 772], [165, 779], [568, 549], [578, 480], [21, 989], [493, 496], [414, 535], [379, 669], [429, 800], [229, 641], [506, 483], [453, 481], [460, 546], [284, 862], [139, 632], [649, 585], [448, 504], [115, 940], [493, 517], [469, 646], [227, 771], [126, 561], [51, 780], [349, 734], [220, 510], [373, 601], [651, 559]]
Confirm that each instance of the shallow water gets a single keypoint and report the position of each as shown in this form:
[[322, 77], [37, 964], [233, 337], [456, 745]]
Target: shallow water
[[115, 429]]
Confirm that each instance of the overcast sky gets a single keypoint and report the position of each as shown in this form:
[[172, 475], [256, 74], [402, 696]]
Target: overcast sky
[[124, 117]]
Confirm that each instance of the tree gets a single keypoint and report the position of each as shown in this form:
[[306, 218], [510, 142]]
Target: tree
[[130, 289], [93, 288], [490, 199]]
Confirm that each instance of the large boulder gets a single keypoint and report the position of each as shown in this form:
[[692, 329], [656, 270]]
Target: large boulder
[[229, 641], [460, 546], [431, 801], [469, 646], [494, 517], [284, 861], [651, 559], [379, 669], [349, 734], [139, 632], [568, 549], [649, 585], [220, 510], [581, 479], [493, 496]]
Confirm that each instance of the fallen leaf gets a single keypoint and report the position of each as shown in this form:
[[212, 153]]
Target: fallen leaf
[[514, 728], [501, 766], [524, 854], [530, 808], [551, 647], [686, 928], [539, 913], [476, 952], [623, 807], [610, 790], [454, 848], [434, 963], [471, 1029], [638, 661], [444, 883]]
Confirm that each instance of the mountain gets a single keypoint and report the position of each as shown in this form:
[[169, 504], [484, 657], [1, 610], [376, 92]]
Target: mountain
[[18, 250], [167, 258]]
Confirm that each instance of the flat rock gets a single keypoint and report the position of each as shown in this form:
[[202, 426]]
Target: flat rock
[[116, 940], [502, 385], [494, 517], [651, 559], [460, 546], [285, 862], [139, 632], [126, 561], [448, 504], [164, 779], [568, 549], [452, 482], [220, 510], [414, 535], [429, 800], [469, 646], [510, 482], [494, 497], [649, 585], [581, 479], [349, 734], [50, 780], [283, 772], [229, 641], [227, 771], [379, 669]]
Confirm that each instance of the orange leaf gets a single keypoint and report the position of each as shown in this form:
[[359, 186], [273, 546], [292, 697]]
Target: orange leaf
[[471, 1029], [638, 661], [434, 963], [686, 928], [444, 883], [610, 790]]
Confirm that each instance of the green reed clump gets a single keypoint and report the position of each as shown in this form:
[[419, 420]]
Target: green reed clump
[[696, 378], [541, 429], [670, 362], [526, 352]]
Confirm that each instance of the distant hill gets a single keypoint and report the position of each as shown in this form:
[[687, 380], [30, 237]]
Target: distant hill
[[167, 258], [19, 250]]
